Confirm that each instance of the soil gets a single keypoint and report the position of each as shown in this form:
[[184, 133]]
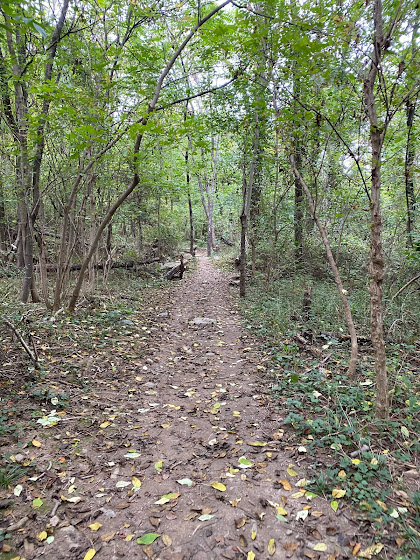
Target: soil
[[187, 445]]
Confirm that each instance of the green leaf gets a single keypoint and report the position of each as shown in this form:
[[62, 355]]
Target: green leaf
[[148, 538], [334, 505], [405, 432], [40, 29]]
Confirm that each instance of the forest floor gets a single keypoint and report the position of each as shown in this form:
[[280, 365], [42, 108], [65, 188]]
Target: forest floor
[[175, 451]]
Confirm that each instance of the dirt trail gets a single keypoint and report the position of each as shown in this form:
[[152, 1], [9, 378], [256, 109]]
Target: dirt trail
[[195, 411]]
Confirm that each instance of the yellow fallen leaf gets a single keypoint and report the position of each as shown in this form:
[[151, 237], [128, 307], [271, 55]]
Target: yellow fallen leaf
[[371, 551], [136, 482], [36, 443], [257, 443], [253, 534], [95, 526], [271, 547], [167, 541], [291, 471], [103, 425], [218, 486], [165, 425], [356, 461], [322, 547], [342, 474], [286, 484], [338, 493], [281, 511], [42, 536], [236, 413], [89, 554], [250, 556], [128, 538]]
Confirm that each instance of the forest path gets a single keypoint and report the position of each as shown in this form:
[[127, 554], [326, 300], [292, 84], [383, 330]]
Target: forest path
[[188, 448]]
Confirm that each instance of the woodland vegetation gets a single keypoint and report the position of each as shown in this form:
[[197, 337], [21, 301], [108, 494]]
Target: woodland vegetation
[[283, 132]]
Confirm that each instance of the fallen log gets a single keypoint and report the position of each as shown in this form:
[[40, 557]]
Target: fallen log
[[100, 266]]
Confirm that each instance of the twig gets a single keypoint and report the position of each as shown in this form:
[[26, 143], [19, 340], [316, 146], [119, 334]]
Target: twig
[[406, 286], [18, 525], [32, 356]]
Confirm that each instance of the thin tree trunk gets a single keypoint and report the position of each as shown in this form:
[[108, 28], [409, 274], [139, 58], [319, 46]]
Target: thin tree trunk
[[334, 268], [409, 179], [247, 187], [190, 210], [376, 264]]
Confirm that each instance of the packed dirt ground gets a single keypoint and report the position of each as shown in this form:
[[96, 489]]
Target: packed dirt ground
[[183, 455]]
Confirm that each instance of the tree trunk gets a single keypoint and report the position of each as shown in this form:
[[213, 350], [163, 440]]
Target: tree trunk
[[342, 292], [242, 258], [409, 179], [376, 264]]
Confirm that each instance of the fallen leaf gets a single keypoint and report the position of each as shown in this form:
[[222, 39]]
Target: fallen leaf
[[104, 425], [291, 471], [158, 466], [89, 554], [36, 443], [371, 551], [244, 463], [290, 546], [42, 536], [334, 505], [148, 538], [254, 532], [281, 511], [167, 498], [122, 484], [218, 486], [322, 547], [271, 547], [37, 503], [136, 482], [338, 493], [286, 484], [205, 517], [167, 541], [18, 490], [129, 538], [257, 443], [185, 482], [250, 555], [303, 514], [240, 522], [342, 474], [356, 549], [132, 455], [108, 536], [95, 526]]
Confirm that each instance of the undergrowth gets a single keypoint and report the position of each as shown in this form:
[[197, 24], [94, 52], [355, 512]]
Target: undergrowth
[[329, 415]]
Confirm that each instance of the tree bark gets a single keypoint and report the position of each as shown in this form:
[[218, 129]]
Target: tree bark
[[334, 268], [247, 186], [376, 264], [409, 179]]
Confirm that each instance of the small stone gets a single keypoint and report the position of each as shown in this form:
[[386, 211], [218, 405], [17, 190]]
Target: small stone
[[201, 321], [54, 521], [19, 457]]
